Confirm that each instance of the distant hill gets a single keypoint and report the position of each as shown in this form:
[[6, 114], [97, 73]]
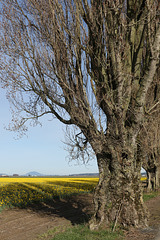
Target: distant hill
[[86, 174], [37, 174], [143, 174], [33, 174]]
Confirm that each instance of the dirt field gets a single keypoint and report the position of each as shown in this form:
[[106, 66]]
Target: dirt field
[[28, 224]]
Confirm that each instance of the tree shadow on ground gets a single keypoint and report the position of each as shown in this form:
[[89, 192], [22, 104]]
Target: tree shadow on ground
[[77, 209]]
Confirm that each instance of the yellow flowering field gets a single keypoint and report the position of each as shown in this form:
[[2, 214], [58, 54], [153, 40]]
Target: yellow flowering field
[[143, 178], [24, 191]]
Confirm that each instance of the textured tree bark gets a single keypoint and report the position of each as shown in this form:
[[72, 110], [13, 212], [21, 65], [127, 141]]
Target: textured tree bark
[[153, 179], [157, 178], [118, 196], [149, 185]]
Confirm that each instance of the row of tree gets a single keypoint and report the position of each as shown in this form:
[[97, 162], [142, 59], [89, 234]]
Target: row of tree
[[149, 139], [94, 66]]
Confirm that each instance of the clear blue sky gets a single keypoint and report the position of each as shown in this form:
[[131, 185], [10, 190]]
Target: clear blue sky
[[41, 150]]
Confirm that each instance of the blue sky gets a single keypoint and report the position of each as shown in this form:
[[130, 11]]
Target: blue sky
[[42, 150]]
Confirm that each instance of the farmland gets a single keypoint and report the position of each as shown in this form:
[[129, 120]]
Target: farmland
[[21, 192], [63, 205]]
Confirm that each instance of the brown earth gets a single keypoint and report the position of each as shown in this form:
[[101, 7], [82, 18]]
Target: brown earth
[[153, 231], [30, 223]]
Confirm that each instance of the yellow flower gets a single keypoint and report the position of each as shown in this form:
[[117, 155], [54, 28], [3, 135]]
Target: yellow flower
[[23, 191]]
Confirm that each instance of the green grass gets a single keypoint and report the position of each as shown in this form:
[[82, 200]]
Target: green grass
[[82, 232], [79, 232], [2, 208], [148, 196]]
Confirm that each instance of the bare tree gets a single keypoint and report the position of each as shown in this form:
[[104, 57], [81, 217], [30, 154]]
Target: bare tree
[[150, 135], [90, 64], [150, 154]]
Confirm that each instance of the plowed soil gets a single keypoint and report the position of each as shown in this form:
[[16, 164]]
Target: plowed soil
[[30, 223]]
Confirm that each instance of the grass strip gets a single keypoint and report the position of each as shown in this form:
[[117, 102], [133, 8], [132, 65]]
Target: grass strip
[[148, 196], [80, 232]]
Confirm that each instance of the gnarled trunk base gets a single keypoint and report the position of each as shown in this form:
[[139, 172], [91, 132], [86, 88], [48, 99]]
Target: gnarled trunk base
[[118, 196]]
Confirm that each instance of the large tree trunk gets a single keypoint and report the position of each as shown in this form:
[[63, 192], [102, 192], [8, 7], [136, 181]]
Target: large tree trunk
[[118, 196], [152, 166], [153, 179]]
